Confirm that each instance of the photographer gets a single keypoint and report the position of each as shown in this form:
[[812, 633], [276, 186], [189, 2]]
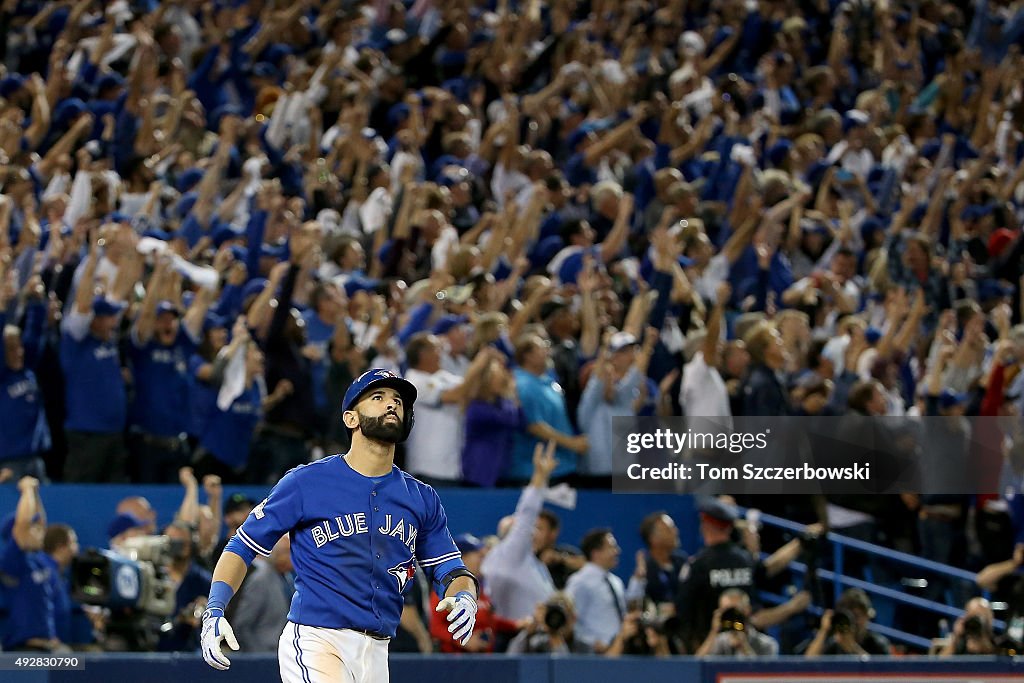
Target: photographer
[[845, 631], [181, 632], [552, 630], [972, 632], [645, 633], [731, 631]]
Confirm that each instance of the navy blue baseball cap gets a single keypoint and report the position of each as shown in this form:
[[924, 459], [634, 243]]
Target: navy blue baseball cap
[[123, 523], [950, 398], [167, 306], [11, 84], [101, 305], [379, 377], [468, 543], [446, 323]]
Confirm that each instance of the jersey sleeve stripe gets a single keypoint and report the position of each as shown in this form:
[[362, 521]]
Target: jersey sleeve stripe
[[252, 544], [439, 560]]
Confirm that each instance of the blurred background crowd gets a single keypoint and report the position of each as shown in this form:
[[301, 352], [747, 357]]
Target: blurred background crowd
[[215, 214]]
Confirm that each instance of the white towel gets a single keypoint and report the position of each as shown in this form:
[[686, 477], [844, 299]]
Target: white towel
[[234, 380]]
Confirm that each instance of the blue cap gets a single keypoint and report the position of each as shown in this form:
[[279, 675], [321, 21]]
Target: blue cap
[[104, 306], [976, 211], [930, 149], [871, 225], [11, 84], [480, 37], [446, 323], [276, 53], [222, 111], [576, 137], [872, 334], [166, 306], [398, 113], [379, 377], [123, 523], [949, 398], [119, 217], [545, 250], [468, 543], [265, 70], [443, 162], [213, 321], [185, 204], [253, 287], [571, 268], [109, 80], [67, 111], [452, 58], [360, 283], [226, 232], [158, 234], [188, 180], [993, 289], [778, 152]]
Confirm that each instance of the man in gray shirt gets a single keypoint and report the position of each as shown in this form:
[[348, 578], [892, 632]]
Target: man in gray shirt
[[260, 608], [731, 632], [517, 579]]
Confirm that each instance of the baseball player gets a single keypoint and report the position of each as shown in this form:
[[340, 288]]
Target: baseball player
[[359, 528]]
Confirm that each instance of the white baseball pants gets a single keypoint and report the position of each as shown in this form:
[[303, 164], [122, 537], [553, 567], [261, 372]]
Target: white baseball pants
[[310, 654]]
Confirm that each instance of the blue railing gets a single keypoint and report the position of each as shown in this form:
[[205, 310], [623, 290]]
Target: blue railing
[[840, 581]]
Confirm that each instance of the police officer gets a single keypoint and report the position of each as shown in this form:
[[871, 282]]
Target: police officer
[[722, 564]]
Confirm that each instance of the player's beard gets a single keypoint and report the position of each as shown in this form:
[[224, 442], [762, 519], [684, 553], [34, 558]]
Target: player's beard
[[381, 429]]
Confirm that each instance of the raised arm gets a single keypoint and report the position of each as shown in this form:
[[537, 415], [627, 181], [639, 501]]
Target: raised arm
[[25, 514], [146, 319], [613, 243]]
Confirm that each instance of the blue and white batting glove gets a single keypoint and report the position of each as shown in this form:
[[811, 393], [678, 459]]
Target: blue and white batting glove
[[216, 628], [462, 615]]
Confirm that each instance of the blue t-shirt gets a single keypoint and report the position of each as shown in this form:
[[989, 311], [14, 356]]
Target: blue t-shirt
[[94, 388], [355, 544], [319, 334], [578, 173], [228, 434], [161, 385], [22, 418], [542, 400], [26, 579], [202, 400], [60, 591]]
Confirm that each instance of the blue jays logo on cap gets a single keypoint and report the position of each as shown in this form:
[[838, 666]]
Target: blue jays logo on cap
[[403, 573]]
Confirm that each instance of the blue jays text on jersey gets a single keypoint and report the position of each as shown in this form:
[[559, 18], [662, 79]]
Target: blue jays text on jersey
[[356, 542]]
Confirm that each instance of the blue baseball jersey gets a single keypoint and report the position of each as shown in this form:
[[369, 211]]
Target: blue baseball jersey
[[356, 542]]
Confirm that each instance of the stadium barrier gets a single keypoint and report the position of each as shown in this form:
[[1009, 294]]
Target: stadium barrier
[[89, 508], [155, 668]]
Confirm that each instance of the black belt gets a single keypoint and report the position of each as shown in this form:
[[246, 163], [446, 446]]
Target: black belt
[[376, 635]]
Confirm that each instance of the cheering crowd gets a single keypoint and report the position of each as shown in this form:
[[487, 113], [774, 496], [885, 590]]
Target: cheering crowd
[[214, 215]]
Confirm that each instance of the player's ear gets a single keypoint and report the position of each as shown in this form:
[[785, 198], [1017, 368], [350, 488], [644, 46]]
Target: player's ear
[[350, 419]]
